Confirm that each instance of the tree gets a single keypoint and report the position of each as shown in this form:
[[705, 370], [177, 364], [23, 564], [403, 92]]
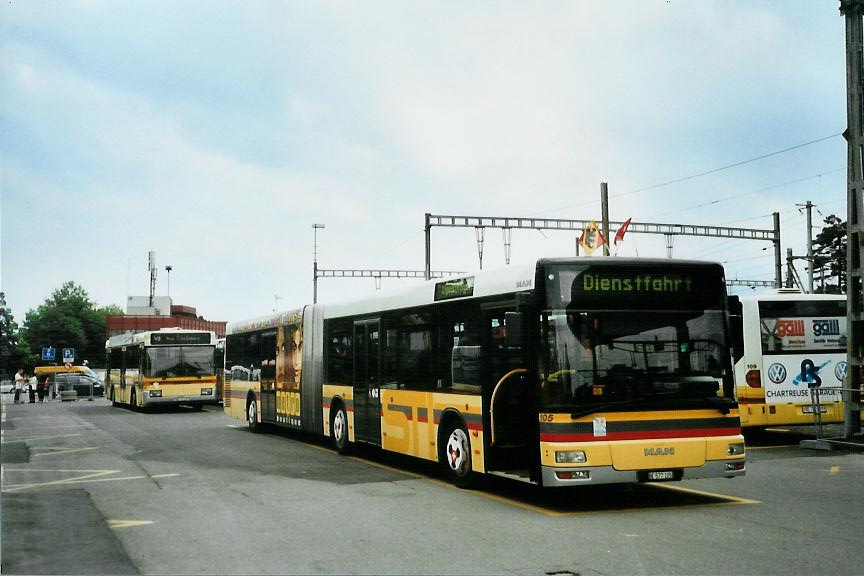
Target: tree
[[68, 319], [10, 354], [829, 256]]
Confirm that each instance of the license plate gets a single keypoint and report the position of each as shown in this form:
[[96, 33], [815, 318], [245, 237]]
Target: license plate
[[661, 475], [808, 409], [183, 399]]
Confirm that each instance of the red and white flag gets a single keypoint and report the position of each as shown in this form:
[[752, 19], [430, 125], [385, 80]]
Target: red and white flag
[[619, 235]]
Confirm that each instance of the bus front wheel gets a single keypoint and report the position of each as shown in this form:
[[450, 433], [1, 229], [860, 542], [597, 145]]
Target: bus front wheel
[[455, 454], [252, 414], [339, 429]]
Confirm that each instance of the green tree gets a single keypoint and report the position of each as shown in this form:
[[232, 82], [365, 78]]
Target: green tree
[[68, 319], [829, 256], [10, 354]]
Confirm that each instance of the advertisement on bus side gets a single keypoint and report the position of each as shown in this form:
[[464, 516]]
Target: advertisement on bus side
[[789, 378]]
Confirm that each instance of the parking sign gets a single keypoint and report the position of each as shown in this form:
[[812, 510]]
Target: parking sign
[[69, 355]]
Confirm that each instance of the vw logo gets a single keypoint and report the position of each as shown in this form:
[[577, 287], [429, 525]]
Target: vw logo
[[777, 373], [840, 371]]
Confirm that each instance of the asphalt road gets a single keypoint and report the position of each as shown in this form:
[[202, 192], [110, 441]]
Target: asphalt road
[[90, 489]]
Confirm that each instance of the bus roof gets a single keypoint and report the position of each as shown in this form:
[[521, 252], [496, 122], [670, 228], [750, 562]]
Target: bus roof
[[505, 280], [788, 294], [129, 339]]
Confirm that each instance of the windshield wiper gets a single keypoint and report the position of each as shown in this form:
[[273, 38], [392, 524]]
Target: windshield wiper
[[597, 408]]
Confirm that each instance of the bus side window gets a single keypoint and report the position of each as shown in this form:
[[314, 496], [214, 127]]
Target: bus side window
[[736, 328]]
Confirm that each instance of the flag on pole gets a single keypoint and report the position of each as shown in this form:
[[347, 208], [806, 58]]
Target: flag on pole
[[619, 235], [592, 238]]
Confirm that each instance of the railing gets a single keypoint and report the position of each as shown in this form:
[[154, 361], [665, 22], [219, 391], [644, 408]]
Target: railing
[[816, 405]]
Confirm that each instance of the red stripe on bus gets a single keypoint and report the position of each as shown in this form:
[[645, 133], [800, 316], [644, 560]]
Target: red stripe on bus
[[640, 435], [751, 401]]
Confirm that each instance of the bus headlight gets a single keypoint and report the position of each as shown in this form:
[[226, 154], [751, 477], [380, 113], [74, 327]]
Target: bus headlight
[[570, 457], [206, 391], [155, 393], [735, 449]]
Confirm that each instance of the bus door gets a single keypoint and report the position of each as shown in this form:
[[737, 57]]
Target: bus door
[[268, 377], [367, 376], [506, 388]]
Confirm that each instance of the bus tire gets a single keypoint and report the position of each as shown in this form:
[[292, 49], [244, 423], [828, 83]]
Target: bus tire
[[454, 453], [252, 413], [339, 428]]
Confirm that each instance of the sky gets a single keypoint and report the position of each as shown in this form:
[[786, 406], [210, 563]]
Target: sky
[[215, 134]]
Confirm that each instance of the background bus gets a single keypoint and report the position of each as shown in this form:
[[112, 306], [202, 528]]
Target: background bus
[[785, 342], [563, 372], [168, 366]]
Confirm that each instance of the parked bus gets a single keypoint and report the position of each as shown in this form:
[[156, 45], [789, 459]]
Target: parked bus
[[167, 366], [559, 373], [786, 343]]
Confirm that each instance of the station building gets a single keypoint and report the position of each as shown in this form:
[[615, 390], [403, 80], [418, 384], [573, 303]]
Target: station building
[[144, 313]]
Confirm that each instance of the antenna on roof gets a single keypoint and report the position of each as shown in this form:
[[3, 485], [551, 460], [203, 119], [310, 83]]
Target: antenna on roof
[[151, 260]]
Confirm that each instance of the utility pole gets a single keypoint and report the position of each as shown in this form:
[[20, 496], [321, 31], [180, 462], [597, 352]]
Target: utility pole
[[853, 11], [809, 207], [604, 210], [315, 228]]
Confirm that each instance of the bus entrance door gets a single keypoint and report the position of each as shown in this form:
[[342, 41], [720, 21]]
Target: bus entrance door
[[367, 376], [506, 391], [268, 377]]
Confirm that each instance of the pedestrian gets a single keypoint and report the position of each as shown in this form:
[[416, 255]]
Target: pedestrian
[[43, 389], [19, 385], [31, 389]]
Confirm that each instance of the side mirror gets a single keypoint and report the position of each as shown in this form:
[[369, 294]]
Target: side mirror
[[514, 334]]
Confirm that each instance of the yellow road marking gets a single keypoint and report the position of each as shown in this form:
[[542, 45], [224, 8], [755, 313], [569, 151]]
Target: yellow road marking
[[834, 470], [128, 523], [731, 499]]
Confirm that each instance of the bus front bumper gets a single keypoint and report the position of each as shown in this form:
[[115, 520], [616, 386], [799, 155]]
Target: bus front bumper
[[188, 399], [557, 477]]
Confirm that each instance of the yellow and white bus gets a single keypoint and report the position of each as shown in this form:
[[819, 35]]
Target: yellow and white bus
[[167, 366], [786, 343], [559, 373]]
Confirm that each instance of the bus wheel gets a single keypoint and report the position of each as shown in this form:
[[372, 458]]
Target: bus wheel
[[339, 429], [252, 414], [454, 453]]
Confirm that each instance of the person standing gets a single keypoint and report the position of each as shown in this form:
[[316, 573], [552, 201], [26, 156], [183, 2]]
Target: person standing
[[19, 385], [43, 389], [32, 383]]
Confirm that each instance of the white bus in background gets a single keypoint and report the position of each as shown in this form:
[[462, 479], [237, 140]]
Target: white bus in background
[[786, 343]]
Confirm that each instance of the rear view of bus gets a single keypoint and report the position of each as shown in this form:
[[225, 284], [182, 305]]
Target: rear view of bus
[[636, 377], [788, 347]]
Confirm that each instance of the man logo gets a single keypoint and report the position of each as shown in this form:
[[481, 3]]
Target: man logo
[[840, 371], [777, 373]]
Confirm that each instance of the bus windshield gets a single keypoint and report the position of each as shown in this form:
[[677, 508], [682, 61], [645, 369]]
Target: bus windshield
[[179, 361], [667, 359]]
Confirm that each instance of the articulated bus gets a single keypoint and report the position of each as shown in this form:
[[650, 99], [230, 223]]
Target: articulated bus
[[559, 373], [786, 343], [167, 366]]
